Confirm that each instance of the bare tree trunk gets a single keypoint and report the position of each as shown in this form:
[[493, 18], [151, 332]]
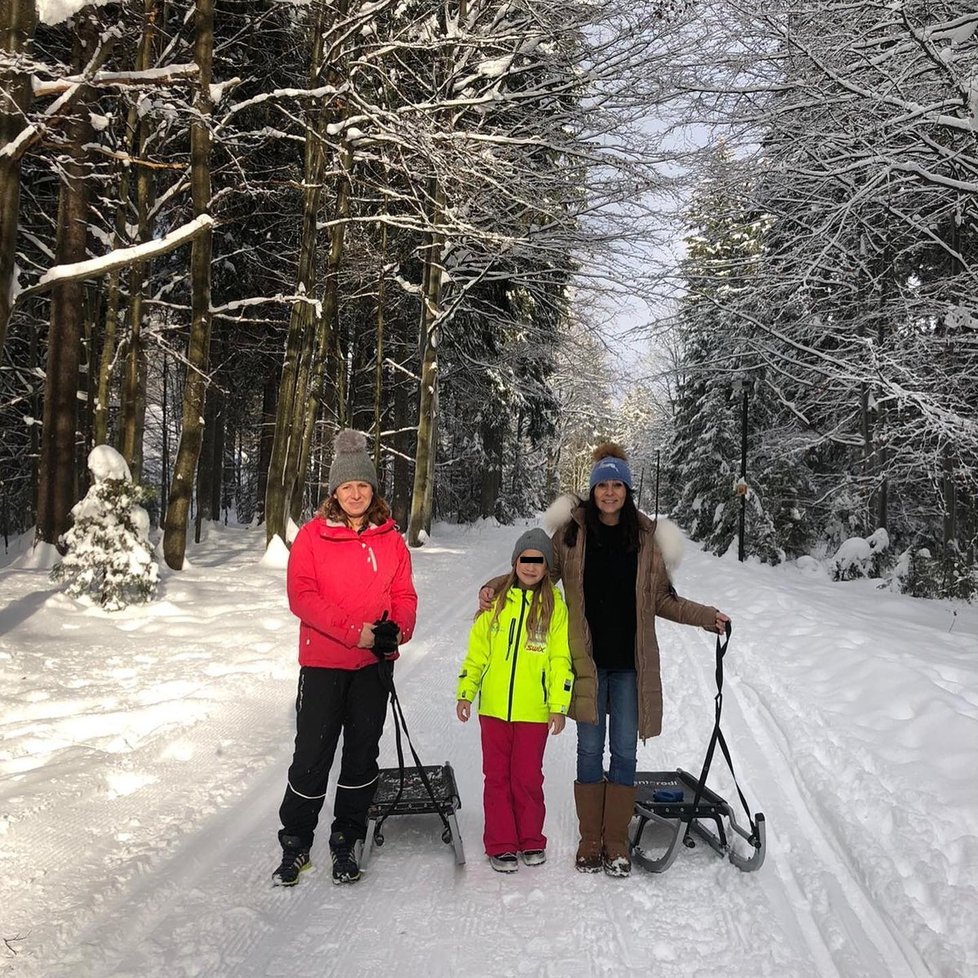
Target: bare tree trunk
[[205, 466], [400, 497], [210, 465], [305, 452], [292, 387], [420, 519], [950, 501], [134, 394], [94, 300], [266, 435], [18, 18], [379, 362], [178, 504], [220, 441], [237, 447], [306, 423], [57, 484], [164, 437], [299, 400], [298, 433], [132, 420], [492, 475], [36, 407], [100, 425]]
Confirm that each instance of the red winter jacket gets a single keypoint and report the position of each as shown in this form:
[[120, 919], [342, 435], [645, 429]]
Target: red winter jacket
[[337, 580]]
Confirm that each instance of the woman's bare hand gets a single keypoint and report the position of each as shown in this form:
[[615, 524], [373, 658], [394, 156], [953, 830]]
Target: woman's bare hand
[[366, 636]]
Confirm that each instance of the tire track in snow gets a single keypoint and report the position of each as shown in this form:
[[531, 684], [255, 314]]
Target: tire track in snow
[[847, 932]]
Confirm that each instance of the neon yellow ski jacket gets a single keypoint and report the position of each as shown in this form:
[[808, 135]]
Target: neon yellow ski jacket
[[518, 678]]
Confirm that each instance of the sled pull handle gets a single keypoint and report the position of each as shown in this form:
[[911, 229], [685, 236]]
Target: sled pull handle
[[718, 738]]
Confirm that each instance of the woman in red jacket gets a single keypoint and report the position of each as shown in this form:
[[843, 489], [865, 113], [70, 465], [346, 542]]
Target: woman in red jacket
[[349, 569]]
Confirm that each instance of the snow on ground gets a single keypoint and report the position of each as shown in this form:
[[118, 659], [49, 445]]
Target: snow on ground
[[143, 757]]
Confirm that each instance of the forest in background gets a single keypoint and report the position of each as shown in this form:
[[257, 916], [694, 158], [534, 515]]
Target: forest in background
[[231, 227], [831, 285]]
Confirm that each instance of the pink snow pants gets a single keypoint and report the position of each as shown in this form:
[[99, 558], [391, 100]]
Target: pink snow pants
[[512, 762]]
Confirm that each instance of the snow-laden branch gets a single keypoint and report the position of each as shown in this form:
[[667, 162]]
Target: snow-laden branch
[[280, 94], [31, 135], [121, 257], [264, 299], [149, 78]]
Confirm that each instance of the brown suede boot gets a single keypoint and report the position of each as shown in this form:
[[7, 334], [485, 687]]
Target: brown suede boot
[[590, 812], [619, 807]]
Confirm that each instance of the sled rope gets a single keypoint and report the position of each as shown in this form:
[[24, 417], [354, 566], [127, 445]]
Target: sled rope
[[718, 738], [386, 667]]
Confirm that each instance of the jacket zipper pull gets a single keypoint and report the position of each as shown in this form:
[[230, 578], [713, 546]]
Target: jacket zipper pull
[[509, 642]]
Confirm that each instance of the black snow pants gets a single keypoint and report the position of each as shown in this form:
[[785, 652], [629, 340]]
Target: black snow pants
[[331, 701]]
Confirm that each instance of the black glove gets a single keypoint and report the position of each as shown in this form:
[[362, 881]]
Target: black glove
[[385, 637]]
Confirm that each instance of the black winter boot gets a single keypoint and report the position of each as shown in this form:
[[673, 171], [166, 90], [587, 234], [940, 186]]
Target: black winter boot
[[343, 850], [295, 858]]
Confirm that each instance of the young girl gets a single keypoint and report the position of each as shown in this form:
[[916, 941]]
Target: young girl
[[519, 659]]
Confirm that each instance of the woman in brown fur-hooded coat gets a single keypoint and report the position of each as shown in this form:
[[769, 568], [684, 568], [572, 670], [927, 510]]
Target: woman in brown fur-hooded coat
[[614, 563]]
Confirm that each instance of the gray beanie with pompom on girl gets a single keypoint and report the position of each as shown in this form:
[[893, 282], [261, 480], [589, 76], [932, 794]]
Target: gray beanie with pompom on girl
[[535, 539]]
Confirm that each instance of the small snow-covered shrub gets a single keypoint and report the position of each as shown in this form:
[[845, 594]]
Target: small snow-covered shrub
[[109, 559], [860, 557], [948, 575], [808, 564]]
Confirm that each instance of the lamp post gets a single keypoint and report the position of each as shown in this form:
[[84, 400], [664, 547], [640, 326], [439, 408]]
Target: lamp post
[[743, 387], [658, 455]]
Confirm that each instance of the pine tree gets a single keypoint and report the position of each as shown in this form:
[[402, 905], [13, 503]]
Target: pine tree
[[110, 559], [720, 366]]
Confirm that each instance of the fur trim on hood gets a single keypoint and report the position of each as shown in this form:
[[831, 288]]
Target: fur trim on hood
[[669, 540], [559, 511], [668, 536]]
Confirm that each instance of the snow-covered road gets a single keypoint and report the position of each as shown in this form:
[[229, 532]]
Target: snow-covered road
[[143, 757]]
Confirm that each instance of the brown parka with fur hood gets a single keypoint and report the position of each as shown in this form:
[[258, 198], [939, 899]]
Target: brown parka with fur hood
[[654, 595]]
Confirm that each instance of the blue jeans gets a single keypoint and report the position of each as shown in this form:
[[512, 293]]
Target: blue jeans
[[618, 703]]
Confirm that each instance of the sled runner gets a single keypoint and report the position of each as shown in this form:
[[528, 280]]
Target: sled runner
[[687, 819], [438, 797], [683, 807]]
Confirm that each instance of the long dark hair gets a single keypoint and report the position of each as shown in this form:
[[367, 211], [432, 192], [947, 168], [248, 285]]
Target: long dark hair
[[592, 522]]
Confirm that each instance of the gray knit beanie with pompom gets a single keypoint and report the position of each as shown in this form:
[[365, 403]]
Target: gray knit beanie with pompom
[[535, 539], [351, 463]]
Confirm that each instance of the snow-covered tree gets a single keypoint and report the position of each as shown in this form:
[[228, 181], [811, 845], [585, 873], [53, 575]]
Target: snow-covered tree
[[110, 559], [854, 123], [584, 391], [718, 371]]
